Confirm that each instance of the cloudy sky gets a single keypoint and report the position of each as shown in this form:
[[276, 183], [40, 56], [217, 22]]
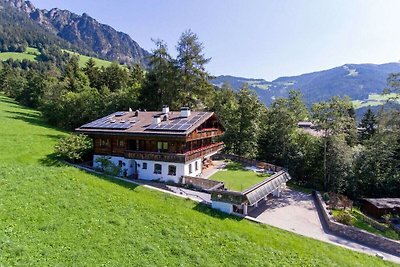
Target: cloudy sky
[[259, 38]]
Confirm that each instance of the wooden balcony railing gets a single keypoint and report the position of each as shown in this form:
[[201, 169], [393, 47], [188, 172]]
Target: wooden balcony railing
[[173, 157], [203, 151], [205, 133]]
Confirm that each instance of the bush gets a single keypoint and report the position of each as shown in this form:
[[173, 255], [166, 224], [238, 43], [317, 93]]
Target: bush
[[74, 148], [108, 167], [344, 217], [325, 197]]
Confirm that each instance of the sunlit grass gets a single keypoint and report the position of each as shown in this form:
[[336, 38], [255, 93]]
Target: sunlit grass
[[55, 215]]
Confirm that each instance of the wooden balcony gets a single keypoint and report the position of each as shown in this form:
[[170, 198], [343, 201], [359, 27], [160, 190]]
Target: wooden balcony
[[203, 151], [205, 133], [173, 157]]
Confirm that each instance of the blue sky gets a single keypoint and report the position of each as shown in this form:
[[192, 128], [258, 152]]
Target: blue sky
[[259, 38]]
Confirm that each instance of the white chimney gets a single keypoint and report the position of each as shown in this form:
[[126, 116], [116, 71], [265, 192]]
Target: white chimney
[[185, 112], [165, 110], [156, 119]]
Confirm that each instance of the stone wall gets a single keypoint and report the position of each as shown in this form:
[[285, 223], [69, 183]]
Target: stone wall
[[353, 233], [201, 183]]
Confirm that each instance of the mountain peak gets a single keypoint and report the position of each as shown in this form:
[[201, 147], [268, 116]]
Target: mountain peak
[[85, 32]]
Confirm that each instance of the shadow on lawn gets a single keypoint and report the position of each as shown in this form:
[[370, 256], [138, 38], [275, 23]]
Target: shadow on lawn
[[35, 119], [206, 209], [52, 160]]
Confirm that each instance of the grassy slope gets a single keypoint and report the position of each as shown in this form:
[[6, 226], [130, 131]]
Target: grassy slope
[[31, 53], [83, 59], [373, 100], [55, 215], [237, 178], [358, 222]]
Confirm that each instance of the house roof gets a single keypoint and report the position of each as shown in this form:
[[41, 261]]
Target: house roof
[[142, 122], [384, 203]]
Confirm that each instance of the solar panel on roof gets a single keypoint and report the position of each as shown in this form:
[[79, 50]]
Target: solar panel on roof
[[177, 124]]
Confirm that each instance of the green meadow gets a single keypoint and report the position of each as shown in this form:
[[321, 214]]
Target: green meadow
[[374, 100], [52, 214], [31, 53]]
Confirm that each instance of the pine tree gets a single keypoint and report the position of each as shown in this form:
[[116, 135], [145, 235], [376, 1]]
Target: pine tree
[[368, 125], [193, 78]]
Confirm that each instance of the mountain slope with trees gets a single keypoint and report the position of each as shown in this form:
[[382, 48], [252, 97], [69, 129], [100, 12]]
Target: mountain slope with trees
[[354, 80], [79, 31]]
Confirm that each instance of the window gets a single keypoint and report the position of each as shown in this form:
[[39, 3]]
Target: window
[[104, 142], [120, 143], [196, 166], [120, 163], [172, 170], [162, 146], [190, 168], [144, 166], [157, 168]]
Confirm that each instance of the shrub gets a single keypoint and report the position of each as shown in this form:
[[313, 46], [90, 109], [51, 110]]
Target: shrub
[[325, 197], [74, 148], [108, 167], [343, 217]]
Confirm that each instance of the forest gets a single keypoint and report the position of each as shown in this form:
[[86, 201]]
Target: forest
[[356, 159]]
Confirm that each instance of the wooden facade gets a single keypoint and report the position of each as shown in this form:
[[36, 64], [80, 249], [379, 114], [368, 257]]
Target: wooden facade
[[199, 143]]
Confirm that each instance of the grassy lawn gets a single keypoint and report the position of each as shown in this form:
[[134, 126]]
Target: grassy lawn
[[56, 215], [358, 222], [237, 178]]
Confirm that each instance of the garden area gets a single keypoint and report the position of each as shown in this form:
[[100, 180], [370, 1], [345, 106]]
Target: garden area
[[236, 177], [343, 211]]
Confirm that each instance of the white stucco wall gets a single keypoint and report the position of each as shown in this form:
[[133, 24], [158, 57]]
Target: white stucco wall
[[127, 164], [148, 174], [194, 172], [222, 206]]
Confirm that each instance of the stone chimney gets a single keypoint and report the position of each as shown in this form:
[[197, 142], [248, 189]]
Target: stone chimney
[[185, 112]]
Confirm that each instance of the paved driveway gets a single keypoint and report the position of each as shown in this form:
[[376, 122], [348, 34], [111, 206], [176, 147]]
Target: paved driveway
[[296, 212]]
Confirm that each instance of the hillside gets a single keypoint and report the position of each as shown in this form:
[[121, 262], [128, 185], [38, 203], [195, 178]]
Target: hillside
[[357, 81], [55, 215], [32, 54], [80, 31]]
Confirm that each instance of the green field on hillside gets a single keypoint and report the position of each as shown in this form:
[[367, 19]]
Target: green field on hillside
[[29, 54], [55, 215], [83, 59], [373, 100]]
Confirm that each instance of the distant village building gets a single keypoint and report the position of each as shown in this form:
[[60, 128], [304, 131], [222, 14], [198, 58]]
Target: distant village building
[[164, 145]]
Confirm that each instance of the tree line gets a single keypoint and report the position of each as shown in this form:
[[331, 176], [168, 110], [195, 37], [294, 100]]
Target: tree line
[[359, 160]]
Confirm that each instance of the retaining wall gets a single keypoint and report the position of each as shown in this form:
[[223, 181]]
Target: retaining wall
[[353, 233]]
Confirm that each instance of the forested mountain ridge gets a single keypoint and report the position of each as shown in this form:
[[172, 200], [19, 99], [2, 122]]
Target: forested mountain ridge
[[354, 80], [82, 31]]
